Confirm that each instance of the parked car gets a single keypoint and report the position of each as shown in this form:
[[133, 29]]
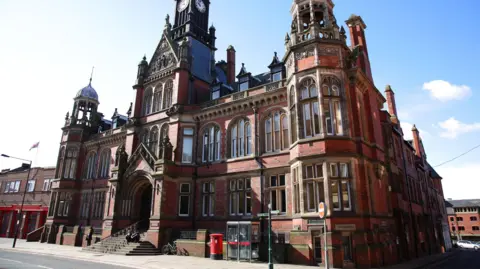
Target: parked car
[[468, 245]]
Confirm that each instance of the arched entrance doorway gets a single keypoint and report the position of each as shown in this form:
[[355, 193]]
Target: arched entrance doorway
[[146, 204], [140, 193]]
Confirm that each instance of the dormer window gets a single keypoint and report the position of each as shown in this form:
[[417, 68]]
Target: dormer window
[[276, 76], [216, 93], [115, 124], [244, 86], [276, 69]]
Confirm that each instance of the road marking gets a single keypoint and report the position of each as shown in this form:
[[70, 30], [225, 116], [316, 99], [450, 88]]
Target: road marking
[[45, 267], [10, 260]]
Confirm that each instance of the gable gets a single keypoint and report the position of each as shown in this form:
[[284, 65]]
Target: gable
[[165, 58]]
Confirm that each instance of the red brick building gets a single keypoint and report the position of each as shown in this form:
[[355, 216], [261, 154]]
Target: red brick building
[[12, 186], [464, 219], [203, 144]]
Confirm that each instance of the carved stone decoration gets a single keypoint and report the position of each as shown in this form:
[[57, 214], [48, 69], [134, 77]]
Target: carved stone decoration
[[305, 54], [175, 109], [167, 149], [328, 51], [351, 59]]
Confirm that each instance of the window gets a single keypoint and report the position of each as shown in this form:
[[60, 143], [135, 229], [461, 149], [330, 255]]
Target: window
[[296, 191], [157, 98], [145, 138], [459, 218], [90, 166], [244, 86], [163, 135], [187, 146], [211, 144], [51, 208], [31, 185], [277, 76], [153, 140], [276, 132], [451, 219], [105, 163], [240, 193], [347, 248], [216, 94], [12, 187], [473, 218], [331, 106], [278, 193], [453, 228], [241, 139], [47, 184], [70, 164], [184, 200], [167, 99], [64, 201], [98, 205], [340, 186], [293, 114], [461, 228], [475, 228], [208, 199], [85, 205], [314, 186], [61, 160], [310, 108], [147, 102]]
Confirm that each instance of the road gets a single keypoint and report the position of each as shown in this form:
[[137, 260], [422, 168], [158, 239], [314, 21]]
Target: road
[[17, 260], [466, 259]]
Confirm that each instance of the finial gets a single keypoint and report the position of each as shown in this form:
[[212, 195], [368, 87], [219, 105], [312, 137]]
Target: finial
[[129, 112], [388, 88], [91, 76], [145, 57], [167, 19], [67, 116], [414, 128], [275, 53]]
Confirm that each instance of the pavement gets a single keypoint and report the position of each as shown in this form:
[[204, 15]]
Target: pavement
[[50, 256]]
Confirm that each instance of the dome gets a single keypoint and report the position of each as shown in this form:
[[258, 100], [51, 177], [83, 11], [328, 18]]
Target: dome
[[87, 92]]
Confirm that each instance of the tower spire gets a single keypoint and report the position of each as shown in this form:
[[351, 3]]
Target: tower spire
[[91, 76]]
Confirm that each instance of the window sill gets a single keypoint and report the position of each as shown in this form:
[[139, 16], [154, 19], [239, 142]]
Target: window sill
[[282, 152], [237, 159]]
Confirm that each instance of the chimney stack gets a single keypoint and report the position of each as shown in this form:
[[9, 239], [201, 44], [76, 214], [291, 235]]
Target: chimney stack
[[392, 106], [357, 37], [231, 64], [416, 142]]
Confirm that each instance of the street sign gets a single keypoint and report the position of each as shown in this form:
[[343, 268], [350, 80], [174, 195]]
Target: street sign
[[262, 215], [322, 210], [275, 212]]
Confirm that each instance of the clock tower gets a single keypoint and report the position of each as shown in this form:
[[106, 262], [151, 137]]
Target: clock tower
[[191, 19]]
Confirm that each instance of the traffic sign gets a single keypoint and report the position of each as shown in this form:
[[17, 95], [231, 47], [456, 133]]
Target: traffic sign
[[322, 210]]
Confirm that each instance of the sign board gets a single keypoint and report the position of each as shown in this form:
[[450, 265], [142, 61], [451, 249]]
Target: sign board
[[262, 215], [322, 210], [275, 212]]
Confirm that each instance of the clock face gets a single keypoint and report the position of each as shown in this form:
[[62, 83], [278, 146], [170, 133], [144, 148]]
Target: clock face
[[200, 6], [182, 5]]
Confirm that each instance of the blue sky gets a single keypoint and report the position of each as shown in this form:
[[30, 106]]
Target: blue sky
[[48, 48]]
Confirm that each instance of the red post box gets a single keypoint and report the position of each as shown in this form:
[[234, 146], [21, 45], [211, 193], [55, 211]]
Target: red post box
[[216, 246]]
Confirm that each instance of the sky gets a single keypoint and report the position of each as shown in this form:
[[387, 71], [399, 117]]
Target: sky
[[424, 49]]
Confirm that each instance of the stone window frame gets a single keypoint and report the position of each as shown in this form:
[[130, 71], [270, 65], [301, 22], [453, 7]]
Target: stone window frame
[[277, 188], [71, 159], [234, 143], [309, 95], [191, 136], [105, 160], [332, 96], [315, 181], [213, 133], [341, 178], [237, 187], [183, 193], [208, 192], [90, 167], [283, 136]]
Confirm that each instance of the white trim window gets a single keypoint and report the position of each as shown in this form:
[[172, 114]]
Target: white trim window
[[105, 164], [296, 191], [157, 98], [241, 139], [184, 200], [70, 167], [293, 114], [211, 144], [147, 101], [168, 94], [310, 109], [332, 111], [276, 132], [30, 185], [187, 145], [208, 199], [65, 199], [278, 193], [90, 165], [240, 193], [340, 184], [313, 182]]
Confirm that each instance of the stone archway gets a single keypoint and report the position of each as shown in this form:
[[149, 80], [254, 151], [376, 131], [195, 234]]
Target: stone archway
[[140, 195]]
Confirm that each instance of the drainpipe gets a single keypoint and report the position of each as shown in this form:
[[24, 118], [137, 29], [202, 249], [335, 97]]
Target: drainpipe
[[195, 173], [409, 200], [260, 165]]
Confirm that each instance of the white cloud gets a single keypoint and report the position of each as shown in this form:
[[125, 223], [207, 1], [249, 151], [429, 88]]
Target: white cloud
[[456, 177], [445, 91], [407, 131], [453, 128]]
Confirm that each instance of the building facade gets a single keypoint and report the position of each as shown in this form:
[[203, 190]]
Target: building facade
[[12, 185], [464, 219], [203, 144]]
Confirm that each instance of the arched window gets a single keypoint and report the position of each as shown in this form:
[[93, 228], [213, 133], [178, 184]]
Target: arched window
[[211, 144], [90, 165], [147, 101], [276, 132], [145, 137], [61, 160], [70, 163], [241, 139], [332, 106], [293, 114], [309, 108], [157, 98], [163, 135], [167, 99], [153, 140], [105, 163]]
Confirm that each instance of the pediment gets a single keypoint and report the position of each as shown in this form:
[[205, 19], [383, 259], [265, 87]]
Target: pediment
[[141, 160], [164, 58]]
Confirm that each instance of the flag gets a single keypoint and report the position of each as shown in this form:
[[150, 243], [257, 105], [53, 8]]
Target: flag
[[34, 146]]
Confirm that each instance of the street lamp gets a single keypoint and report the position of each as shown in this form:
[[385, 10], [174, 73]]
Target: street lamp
[[23, 196]]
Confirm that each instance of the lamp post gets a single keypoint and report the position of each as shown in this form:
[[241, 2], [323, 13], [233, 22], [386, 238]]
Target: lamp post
[[23, 196]]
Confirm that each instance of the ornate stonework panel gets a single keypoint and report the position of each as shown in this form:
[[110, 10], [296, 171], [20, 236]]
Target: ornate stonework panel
[[328, 51], [163, 59]]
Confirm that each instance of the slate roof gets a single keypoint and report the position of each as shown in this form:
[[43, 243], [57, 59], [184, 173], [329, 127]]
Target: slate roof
[[87, 92], [463, 203], [433, 173]]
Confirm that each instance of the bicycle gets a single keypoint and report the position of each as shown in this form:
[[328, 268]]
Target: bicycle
[[169, 249]]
